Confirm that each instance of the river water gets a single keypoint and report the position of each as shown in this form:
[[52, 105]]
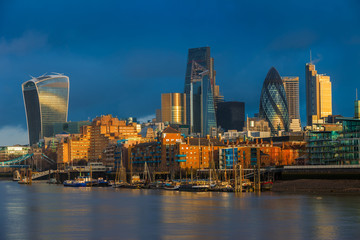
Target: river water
[[43, 211]]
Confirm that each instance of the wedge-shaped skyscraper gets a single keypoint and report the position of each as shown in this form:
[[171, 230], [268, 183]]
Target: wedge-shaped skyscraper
[[273, 103], [46, 100], [199, 91]]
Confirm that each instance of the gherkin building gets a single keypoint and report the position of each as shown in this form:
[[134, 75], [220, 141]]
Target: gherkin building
[[273, 104]]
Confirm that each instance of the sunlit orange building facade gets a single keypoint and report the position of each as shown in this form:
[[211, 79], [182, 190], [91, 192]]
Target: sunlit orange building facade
[[94, 139]]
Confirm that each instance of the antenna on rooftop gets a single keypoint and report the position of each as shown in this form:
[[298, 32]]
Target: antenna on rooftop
[[310, 57], [356, 95]]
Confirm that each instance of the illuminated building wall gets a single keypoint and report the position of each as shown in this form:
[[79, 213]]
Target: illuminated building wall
[[95, 138], [173, 108], [318, 94]]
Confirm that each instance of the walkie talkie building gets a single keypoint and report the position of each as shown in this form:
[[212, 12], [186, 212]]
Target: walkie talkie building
[[46, 100], [273, 103]]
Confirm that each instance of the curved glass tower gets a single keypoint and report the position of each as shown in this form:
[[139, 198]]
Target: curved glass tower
[[46, 101], [273, 104]]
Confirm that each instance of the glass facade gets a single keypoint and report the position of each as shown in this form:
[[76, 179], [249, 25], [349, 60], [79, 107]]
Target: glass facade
[[321, 147], [273, 103], [332, 147], [207, 107], [231, 115], [46, 101], [199, 85], [357, 109], [197, 62]]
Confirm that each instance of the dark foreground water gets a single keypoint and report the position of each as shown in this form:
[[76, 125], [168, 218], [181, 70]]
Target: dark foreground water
[[43, 211]]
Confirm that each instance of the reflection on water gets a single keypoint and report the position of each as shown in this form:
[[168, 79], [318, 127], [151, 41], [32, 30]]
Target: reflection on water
[[44, 211]]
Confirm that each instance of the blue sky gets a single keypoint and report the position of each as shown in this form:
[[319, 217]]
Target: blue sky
[[121, 55]]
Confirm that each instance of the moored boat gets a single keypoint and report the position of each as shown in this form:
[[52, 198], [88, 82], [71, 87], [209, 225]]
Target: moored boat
[[102, 183], [266, 186], [80, 182], [25, 180]]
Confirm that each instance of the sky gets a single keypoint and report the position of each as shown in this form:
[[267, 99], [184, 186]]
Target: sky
[[121, 55]]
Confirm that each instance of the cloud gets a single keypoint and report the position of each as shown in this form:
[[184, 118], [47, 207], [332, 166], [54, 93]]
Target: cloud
[[28, 42], [301, 39], [146, 118], [317, 59], [11, 135], [157, 63]]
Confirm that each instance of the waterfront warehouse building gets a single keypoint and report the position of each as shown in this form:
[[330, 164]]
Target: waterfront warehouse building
[[273, 103], [46, 100], [231, 115], [173, 108], [318, 95]]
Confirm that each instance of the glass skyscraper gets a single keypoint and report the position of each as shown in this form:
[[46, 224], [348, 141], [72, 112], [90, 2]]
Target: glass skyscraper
[[46, 100], [199, 90], [208, 115], [273, 103]]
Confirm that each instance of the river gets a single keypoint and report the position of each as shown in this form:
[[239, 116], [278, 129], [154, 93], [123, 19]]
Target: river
[[43, 211]]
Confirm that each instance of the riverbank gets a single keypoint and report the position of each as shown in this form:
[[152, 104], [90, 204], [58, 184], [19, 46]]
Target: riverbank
[[317, 186]]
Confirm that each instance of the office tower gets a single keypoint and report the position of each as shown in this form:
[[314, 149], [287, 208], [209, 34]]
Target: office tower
[[273, 103], [46, 100], [202, 108], [208, 115], [318, 94], [218, 98], [173, 108], [231, 115], [199, 90], [158, 115], [291, 85]]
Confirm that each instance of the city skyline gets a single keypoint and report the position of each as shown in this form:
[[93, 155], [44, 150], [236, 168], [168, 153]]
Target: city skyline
[[121, 58]]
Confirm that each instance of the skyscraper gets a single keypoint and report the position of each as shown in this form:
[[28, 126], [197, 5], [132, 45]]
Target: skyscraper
[[173, 108], [199, 90], [273, 103], [291, 85], [231, 115], [46, 100], [318, 94]]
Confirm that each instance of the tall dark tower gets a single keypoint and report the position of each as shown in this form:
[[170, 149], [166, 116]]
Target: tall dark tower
[[199, 90], [231, 115], [273, 103]]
